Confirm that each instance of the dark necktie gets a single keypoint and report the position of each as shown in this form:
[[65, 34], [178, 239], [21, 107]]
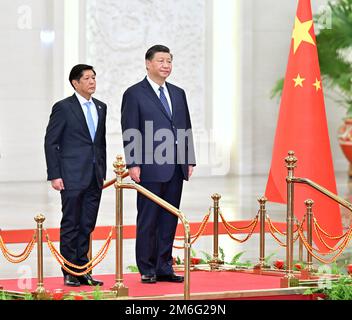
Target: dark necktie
[[164, 101]]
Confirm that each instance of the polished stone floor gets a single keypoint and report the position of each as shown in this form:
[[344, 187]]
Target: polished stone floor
[[20, 202]]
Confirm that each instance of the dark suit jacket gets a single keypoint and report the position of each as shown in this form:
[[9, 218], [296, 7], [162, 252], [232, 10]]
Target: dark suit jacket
[[142, 109], [69, 150]]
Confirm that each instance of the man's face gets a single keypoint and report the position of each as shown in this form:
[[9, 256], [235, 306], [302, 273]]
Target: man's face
[[85, 86], [160, 66]]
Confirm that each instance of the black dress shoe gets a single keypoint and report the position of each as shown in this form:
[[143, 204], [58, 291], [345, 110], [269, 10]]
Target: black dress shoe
[[89, 281], [71, 281], [148, 279], [170, 278]]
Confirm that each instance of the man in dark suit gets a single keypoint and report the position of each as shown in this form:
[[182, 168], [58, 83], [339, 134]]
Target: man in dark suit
[[159, 153], [75, 152]]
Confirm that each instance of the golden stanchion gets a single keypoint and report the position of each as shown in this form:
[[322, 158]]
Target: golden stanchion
[[187, 230], [216, 262], [306, 273], [300, 250], [119, 288], [262, 211], [187, 257], [40, 292], [289, 280]]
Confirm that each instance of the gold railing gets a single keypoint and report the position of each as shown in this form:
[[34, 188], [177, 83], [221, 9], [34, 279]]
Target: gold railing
[[40, 292], [106, 185], [119, 288], [289, 279], [111, 182]]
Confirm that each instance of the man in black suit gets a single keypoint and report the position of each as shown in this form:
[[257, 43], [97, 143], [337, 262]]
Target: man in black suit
[[75, 152], [159, 153]]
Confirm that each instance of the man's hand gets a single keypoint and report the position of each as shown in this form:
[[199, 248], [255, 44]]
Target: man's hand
[[58, 184], [135, 173], [190, 171]]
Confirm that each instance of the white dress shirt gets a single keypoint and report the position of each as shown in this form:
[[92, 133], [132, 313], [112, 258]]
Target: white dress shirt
[[156, 87], [93, 108]]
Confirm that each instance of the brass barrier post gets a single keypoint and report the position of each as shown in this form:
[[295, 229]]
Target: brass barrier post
[[216, 262], [187, 232], [300, 244], [306, 273], [262, 211], [187, 258], [119, 288], [300, 250], [289, 280], [40, 292]]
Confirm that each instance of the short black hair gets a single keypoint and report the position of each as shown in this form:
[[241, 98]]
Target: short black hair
[[149, 55], [77, 72]]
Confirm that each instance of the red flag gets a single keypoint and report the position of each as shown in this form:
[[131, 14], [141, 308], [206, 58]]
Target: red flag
[[302, 128]]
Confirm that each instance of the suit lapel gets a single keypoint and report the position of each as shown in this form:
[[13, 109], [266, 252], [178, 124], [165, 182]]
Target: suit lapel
[[172, 95], [151, 93], [100, 116], [78, 112]]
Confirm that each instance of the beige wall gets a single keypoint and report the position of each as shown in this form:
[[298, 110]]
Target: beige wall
[[33, 74], [26, 87]]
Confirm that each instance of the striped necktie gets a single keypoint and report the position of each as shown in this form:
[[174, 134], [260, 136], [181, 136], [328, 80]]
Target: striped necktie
[[164, 101]]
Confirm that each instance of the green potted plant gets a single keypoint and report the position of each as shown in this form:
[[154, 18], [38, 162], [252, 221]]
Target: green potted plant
[[340, 289], [333, 27]]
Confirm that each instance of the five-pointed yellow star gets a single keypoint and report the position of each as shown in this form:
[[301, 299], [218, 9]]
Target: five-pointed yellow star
[[316, 84], [298, 81], [301, 33]]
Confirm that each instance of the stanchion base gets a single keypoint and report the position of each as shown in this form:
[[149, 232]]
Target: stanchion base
[[215, 264], [119, 290], [289, 281], [40, 294], [260, 267]]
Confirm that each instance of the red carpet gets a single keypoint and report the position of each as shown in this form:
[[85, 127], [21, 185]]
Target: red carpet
[[129, 231], [201, 282]]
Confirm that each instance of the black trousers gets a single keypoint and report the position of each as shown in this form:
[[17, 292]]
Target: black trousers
[[156, 227], [79, 216]]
